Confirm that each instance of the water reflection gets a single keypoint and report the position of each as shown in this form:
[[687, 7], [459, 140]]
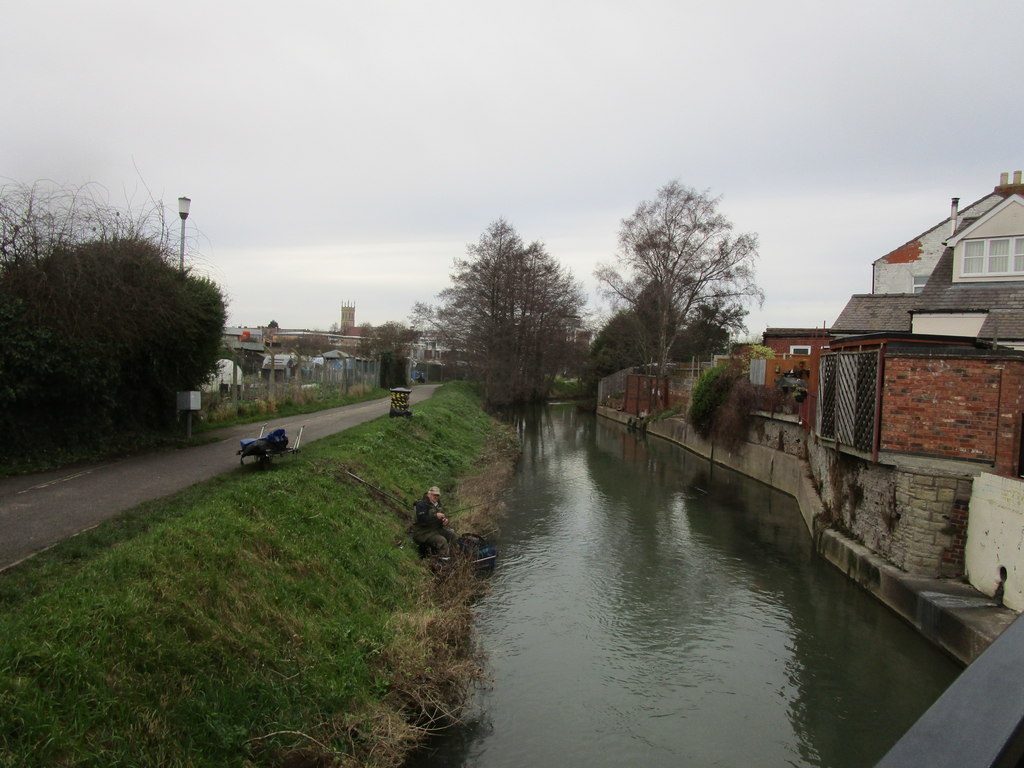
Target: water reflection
[[651, 608]]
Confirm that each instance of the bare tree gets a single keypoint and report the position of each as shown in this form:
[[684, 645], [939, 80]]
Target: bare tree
[[39, 219], [678, 257], [512, 311], [393, 337]]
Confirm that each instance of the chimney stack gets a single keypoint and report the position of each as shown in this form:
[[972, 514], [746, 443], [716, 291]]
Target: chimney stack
[[1007, 187], [954, 211]]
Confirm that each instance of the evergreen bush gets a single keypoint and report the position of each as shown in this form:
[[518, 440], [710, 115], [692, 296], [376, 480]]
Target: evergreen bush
[[709, 392]]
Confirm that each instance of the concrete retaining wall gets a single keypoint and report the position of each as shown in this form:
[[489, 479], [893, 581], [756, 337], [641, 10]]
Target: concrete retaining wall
[[779, 469], [995, 538], [957, 618]]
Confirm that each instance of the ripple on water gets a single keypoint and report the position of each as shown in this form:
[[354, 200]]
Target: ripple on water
[[635, 622]]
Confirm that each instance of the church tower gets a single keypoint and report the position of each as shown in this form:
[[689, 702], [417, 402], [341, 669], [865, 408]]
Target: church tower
[[348, 317]]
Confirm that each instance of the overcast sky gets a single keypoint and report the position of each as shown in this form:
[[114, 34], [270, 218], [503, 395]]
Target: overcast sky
[[349, 151]]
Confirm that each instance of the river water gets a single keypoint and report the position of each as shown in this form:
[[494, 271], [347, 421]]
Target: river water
[[651, 609]]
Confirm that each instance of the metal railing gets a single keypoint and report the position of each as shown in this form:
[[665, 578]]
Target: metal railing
[[977, 722]]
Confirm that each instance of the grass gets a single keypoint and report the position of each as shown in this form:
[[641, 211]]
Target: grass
[[49, 453], [292, 403], [567, 389], [273, 618]]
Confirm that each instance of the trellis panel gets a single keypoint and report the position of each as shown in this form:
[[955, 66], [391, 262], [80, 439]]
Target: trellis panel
[[827, 396], [849, 398]]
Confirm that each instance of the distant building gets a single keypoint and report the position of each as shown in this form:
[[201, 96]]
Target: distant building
[[348, 317]]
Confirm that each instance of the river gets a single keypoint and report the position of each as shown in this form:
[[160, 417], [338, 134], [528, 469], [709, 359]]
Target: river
[[652, 609]]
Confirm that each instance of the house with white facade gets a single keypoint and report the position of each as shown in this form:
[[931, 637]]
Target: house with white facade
[[924, 384], [977, 286], [964, 277], [907, 269]]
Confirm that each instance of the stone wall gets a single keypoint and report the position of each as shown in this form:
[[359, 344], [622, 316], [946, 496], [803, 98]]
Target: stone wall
[[925, 509], [913, 517]]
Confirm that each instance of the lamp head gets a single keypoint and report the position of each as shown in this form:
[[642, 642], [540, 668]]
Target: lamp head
[[183, 204]]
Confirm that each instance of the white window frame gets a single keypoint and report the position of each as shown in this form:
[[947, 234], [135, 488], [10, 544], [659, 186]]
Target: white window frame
[[919, 281], [799, 349], [983, 257]]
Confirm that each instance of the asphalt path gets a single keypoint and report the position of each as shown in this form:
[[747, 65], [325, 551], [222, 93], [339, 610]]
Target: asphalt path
[[37, 511]]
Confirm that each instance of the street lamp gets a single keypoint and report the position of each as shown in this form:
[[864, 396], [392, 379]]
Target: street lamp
[[183, 204]]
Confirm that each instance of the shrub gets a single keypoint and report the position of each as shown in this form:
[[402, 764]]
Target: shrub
[[721, 402], [709, 392]]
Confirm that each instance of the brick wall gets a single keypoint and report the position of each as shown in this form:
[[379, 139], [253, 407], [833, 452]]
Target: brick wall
[[941, 407], [1009, 426], [968, 409], [641, 394], [649, 395]]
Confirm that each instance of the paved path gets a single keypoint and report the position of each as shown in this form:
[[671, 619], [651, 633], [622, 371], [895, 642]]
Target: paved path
[[37, 511]]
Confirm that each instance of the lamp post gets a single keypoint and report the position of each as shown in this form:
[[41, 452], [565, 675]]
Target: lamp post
[[183, 204]]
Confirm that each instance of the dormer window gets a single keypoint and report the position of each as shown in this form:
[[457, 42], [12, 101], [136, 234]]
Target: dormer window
[[993, 256]]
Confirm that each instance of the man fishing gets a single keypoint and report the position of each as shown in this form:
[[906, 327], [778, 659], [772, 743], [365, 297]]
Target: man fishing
[[431, 526]]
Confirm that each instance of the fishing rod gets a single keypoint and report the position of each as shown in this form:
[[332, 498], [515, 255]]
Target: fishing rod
[[474, 506], [382, 492], [485, 553]]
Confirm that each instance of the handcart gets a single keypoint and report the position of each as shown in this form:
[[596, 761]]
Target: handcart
[[265, 447]]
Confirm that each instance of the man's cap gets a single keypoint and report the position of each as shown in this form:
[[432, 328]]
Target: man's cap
[[436, 490]]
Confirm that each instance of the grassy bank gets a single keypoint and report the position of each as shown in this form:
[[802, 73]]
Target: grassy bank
[[272, 618]]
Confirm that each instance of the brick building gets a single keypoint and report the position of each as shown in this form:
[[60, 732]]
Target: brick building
[[921, 400], [930, 397], [796, 341]]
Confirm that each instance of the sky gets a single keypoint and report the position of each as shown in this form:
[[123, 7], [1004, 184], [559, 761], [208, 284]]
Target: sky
[[348, 152]]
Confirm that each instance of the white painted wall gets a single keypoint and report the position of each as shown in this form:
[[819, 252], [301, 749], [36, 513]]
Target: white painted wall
[[899, 277], [224, 374], [949, 324], [1008, 221], [995, 537]]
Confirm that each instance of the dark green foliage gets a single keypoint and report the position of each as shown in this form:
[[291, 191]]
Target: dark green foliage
[[681, 265], [392, 370], [627, 339], [618, 345], [707, 332], [98, 338], [721, 403], [710, 391]]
